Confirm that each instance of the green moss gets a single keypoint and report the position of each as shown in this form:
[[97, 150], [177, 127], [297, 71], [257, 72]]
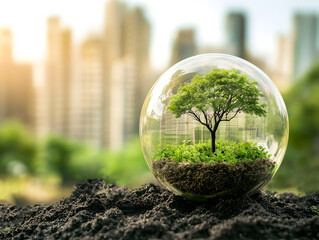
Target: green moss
[[229, 152]]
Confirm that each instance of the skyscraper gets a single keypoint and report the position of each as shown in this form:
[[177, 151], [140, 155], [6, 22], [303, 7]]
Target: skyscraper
[[127, 43], [6, 65], [123, 102], [22, 95], [305, 37], [184, 45], [58, 78], [282, 66], [137, 61], [88, 123], [236, 34], [113, 51], [16, 85], [112, 81]]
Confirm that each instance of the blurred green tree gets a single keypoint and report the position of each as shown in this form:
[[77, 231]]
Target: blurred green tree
[[58, 152], [127, 166], [18, 150], [301, 163], [71, 161]]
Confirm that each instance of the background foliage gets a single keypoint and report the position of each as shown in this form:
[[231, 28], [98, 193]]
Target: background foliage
[[70, 161], [300, 166]]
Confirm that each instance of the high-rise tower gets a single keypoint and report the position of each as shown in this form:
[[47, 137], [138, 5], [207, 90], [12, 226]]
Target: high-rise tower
[[305, 37], [16, 85], [88, 122], [58, 78], [126, 61], [184, 45], [236, 34], [6, 65]]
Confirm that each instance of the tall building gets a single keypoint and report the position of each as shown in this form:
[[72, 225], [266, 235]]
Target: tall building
[[184, 45], [113, 51], [58, 78], [236, 34], [22, 95], [16, 85], [282, 65], [6, 65], [88, 123], [127, 71], [123, 103], [137, 64], [305, 36]]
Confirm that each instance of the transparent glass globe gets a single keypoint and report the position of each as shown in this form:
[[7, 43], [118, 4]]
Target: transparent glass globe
[[160, 128]]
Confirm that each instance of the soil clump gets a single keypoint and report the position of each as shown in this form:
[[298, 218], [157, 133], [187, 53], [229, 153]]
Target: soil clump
[[97, 210]]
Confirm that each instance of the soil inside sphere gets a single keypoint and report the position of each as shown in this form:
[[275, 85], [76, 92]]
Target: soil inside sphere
[[213, 179]]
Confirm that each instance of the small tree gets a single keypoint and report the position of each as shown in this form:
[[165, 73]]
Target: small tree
[[217, 96]]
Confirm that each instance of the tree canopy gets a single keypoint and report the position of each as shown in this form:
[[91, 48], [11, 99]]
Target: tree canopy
[[217, 96]]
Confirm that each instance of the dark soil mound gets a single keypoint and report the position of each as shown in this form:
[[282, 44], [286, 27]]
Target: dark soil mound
[[96, 210], [212, 179]]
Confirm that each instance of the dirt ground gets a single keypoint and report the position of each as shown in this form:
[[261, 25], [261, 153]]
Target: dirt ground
[[97, 210]]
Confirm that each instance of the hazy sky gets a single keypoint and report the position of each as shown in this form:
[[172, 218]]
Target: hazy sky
[[266, 19]]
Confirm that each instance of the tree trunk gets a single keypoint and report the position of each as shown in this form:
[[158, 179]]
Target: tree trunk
[[213, 139]]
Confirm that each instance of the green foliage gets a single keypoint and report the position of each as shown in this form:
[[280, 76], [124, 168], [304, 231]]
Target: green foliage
[[56, 156], [18, 150], [127, 166], [220, 89], [74, 161], [315, 209], [300, 166], [229, 152], [71, 160]]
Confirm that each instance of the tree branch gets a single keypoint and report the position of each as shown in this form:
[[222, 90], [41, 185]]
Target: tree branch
[[238, 110], [206, 118], [229, 102], [197, 118], [221, 116]]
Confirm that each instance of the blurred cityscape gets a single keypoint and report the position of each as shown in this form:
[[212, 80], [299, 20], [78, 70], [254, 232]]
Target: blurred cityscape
[[97, 97], [92, 94]]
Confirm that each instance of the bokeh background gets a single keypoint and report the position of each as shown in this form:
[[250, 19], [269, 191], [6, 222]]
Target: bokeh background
[[74, 75]]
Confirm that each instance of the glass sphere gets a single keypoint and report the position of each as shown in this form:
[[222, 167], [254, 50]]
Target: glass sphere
[[249, 145]]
